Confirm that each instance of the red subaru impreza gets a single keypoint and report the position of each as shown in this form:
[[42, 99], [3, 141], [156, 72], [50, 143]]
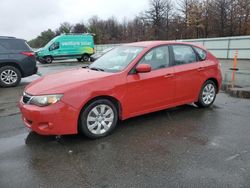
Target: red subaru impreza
[[128, 81]]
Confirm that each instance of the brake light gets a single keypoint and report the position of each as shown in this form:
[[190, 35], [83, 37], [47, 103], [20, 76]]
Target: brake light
[[29, 54]]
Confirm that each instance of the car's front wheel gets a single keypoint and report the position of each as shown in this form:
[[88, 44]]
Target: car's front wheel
[[207, 94], [98, 119], [9, 76], [48, 59]]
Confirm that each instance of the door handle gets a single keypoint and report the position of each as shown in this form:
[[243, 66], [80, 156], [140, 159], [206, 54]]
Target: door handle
[[200, 68], [169, 75]]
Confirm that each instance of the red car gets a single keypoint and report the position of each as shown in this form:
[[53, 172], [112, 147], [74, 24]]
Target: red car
[[128, 81]]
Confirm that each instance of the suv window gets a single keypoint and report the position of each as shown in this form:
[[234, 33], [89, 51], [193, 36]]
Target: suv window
[[157, 58], [14, 44], [183, 54], [202, 53], [2, 49], [54, 46]]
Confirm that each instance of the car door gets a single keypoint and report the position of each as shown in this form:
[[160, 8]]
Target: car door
[[152, 90], [188, 76], [55, 49]]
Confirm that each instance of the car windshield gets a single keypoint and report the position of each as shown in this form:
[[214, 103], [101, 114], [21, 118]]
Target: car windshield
[[117, 59]]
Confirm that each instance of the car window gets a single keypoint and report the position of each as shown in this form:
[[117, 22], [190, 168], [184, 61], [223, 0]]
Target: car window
[[2, 49], [14, 44], [202, 53], [183, 54], [117, 59], [157, 58], [54, 46]]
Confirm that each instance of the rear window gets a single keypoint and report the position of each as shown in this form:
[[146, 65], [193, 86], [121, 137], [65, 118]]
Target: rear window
[[14, 44], [202, 53], [183, 54]]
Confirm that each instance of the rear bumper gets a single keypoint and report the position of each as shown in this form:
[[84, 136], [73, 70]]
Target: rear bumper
[[56, 119], [30, 73]]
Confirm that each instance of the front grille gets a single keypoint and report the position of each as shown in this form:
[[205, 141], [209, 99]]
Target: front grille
[[26, 98]]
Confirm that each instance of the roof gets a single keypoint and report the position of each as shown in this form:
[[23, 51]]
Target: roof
[[151, 44], [7, 37]]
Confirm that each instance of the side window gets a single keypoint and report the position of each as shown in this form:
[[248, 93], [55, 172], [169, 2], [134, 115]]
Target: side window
[[202, 53], [183, 54], [14, 44], [54, 46], [157, 58], [2, 49]]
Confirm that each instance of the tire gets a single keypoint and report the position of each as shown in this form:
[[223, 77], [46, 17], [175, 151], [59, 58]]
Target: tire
[[207, 94], [79, 59], [92, 119], [85, 57], [48, 59], [9, 76]]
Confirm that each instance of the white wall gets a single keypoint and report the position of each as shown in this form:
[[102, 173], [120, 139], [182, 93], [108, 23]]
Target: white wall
[[224, 47]]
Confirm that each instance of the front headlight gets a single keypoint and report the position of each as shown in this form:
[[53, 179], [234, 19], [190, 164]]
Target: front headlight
[[45, 100]]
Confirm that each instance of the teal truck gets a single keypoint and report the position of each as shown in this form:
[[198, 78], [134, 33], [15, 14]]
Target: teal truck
[[67, 46]]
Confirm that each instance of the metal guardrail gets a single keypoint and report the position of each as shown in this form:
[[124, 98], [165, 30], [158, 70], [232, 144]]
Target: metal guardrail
[[223, 48]]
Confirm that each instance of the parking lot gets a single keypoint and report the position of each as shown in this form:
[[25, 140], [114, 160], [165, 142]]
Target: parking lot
[[179, 147]]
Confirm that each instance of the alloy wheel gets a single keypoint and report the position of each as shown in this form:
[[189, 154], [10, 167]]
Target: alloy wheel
[[100, 119], [9, 77], [208, 94]]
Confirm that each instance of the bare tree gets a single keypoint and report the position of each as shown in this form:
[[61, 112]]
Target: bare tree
[[166, 20], [79, 28], [158, 14]]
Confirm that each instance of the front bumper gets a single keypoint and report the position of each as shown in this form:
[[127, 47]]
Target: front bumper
[[56, 119]]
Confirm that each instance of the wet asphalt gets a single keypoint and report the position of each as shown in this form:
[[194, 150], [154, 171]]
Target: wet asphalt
[[179, 147]]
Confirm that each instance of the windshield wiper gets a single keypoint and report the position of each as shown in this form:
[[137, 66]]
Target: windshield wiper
[[95, 68]]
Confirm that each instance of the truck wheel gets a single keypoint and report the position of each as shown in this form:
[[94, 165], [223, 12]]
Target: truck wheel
[[48, 59], [79, 59], [85, 57], [9, 76]]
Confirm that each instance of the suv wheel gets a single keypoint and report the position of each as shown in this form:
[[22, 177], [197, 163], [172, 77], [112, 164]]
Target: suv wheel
[[98, 119], [9, 76], [48, 59]]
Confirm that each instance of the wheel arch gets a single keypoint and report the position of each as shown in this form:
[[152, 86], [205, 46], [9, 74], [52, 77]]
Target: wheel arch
[[215, 81], [13, 64], [114, 100]]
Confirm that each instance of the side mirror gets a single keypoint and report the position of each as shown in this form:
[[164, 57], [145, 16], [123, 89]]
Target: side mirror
[[143, 68]]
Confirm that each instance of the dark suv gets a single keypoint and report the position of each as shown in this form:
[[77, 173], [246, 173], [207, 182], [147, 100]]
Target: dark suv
[[17, 61]]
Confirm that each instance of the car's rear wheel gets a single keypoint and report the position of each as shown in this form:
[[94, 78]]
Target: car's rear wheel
[[207, 94], [85, 57], [48, 59], [98, 119], [9, 76]]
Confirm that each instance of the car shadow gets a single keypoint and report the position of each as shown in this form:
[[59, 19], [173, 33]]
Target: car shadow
[[179, 120]]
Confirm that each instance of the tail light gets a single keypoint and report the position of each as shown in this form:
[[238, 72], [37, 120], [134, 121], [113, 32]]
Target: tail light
[[29, 54]]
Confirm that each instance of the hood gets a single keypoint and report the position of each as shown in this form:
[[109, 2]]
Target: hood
[[63, 81]]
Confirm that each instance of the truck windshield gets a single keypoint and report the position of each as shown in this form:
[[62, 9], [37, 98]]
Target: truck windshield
[[49, 44], [117, 59]]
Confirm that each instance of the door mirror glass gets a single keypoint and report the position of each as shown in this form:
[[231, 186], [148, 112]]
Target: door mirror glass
[[143, 68]]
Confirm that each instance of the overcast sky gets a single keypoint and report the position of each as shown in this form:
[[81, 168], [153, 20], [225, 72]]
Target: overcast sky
[[28, 18]]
